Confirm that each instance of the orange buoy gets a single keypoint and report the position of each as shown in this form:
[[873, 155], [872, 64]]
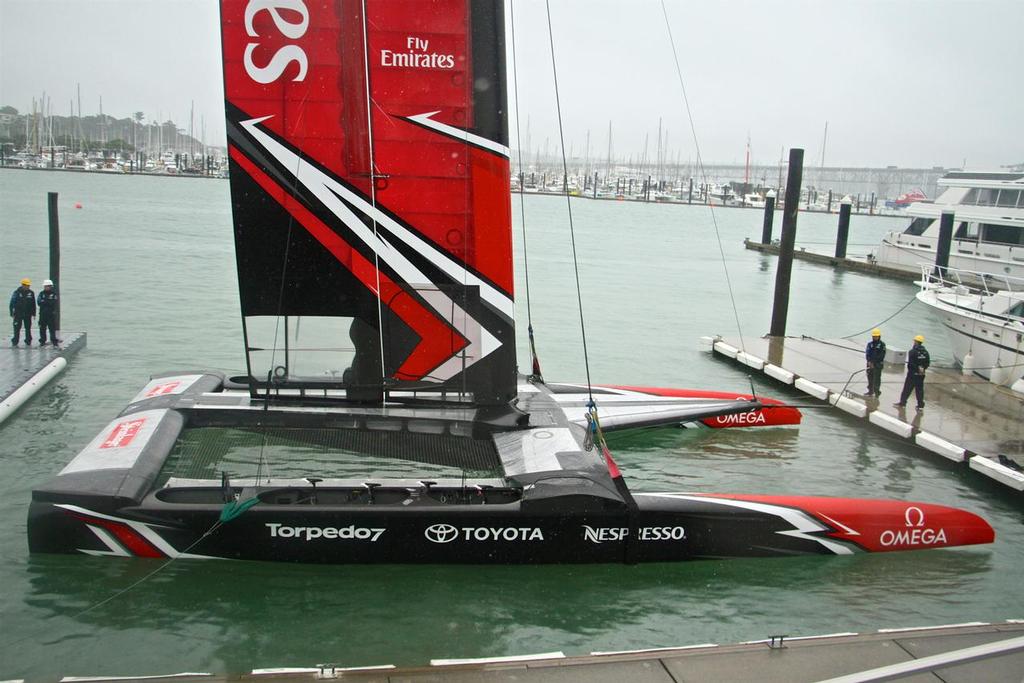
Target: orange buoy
[[78, 205]]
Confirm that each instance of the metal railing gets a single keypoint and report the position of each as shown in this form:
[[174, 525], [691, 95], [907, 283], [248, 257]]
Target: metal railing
[[968, 281]]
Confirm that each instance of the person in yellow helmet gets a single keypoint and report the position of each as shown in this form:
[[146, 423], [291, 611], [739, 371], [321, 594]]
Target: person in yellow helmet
[[23, 309], [918, 361], [874, 356]]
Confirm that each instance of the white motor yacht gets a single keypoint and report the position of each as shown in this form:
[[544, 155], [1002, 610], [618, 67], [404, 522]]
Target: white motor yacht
[[985, 321], [988, 226]]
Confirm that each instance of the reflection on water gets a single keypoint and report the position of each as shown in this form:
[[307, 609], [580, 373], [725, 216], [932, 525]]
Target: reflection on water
[[230, 613], [699, 443]]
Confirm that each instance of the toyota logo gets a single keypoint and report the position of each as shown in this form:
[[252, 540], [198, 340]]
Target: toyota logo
[[441, 533]]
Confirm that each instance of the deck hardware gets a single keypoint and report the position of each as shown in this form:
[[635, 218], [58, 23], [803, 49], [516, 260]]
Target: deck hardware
[[313, 481], [370, 486]]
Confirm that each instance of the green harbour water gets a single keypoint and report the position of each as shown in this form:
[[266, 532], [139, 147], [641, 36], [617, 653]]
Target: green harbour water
[[148, 272]]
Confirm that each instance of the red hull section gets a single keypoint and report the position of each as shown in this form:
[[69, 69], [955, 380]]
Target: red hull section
[[774, 414], [882, 525]]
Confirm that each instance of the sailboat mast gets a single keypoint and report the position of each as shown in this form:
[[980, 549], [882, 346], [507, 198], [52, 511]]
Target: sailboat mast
[[586, 159], [78, 87], [608, 172], [746, 170], [824, 141], [657, 171]]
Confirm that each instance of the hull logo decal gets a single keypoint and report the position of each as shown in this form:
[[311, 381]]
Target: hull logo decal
[[161, 389], [441, 533], [446, 533], [313, 533], [123, 434], [644, 533], [914, 531], [914, 513]]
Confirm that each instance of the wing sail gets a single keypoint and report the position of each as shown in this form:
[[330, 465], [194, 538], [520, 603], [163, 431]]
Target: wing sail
[[369, 182]]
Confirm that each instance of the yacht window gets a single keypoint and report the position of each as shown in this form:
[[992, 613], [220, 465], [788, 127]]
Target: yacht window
[[966, 231], [1001, 234], [1008, 198], [918, 226], [987, 197], [1017, 310], [971, 197]]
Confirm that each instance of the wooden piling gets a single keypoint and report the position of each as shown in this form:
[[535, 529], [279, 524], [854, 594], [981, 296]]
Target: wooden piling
[[769, 218], [843, 235], [55, 253], [780, 306], [945, 242]]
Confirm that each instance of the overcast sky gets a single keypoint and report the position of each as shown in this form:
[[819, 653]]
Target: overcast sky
[[925, 83]]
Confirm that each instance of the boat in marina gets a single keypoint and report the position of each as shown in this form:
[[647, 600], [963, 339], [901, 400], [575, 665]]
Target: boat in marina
[[382, 418], [906, 199], [754, 199], [988, 232], [983, 315]]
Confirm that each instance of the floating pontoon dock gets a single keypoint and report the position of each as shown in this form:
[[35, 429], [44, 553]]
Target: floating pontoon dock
[[859, 265], [24, 370], [962, 652], [966, 418]]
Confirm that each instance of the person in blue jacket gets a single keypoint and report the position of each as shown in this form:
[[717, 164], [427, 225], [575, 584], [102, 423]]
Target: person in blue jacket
[[47, 303], [874, 356], [23, 309], [918, 361]]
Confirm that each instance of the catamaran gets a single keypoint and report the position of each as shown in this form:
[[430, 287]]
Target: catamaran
[[382, 418]]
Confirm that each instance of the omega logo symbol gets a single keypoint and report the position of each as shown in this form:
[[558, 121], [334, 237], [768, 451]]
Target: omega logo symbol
[[441, 533], [914, 516]]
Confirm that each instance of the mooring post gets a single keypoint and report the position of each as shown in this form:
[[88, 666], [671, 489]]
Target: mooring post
[[945, 242], [55, 253], [871, 206], [689, 199], [769, 217], [780, 307], [844, 226]]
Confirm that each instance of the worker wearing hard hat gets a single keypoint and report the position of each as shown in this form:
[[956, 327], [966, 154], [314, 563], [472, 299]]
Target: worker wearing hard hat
[[23, 309], [918, 361], [874, 356], [47, 302]]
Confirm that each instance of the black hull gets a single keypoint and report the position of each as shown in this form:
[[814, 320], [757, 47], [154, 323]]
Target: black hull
[[509, 487], [661, 530]]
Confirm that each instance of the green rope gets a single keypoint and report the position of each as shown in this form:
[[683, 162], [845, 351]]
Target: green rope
[[235, 508]]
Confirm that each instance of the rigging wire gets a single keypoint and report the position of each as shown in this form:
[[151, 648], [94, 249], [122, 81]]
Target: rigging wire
[[568, 203], [879, 324], [522, 203], [703, 173], [280, 296], [373, 188]]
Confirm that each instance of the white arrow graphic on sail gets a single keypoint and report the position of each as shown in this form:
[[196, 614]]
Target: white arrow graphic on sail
[[458, 133], [330, 193]]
